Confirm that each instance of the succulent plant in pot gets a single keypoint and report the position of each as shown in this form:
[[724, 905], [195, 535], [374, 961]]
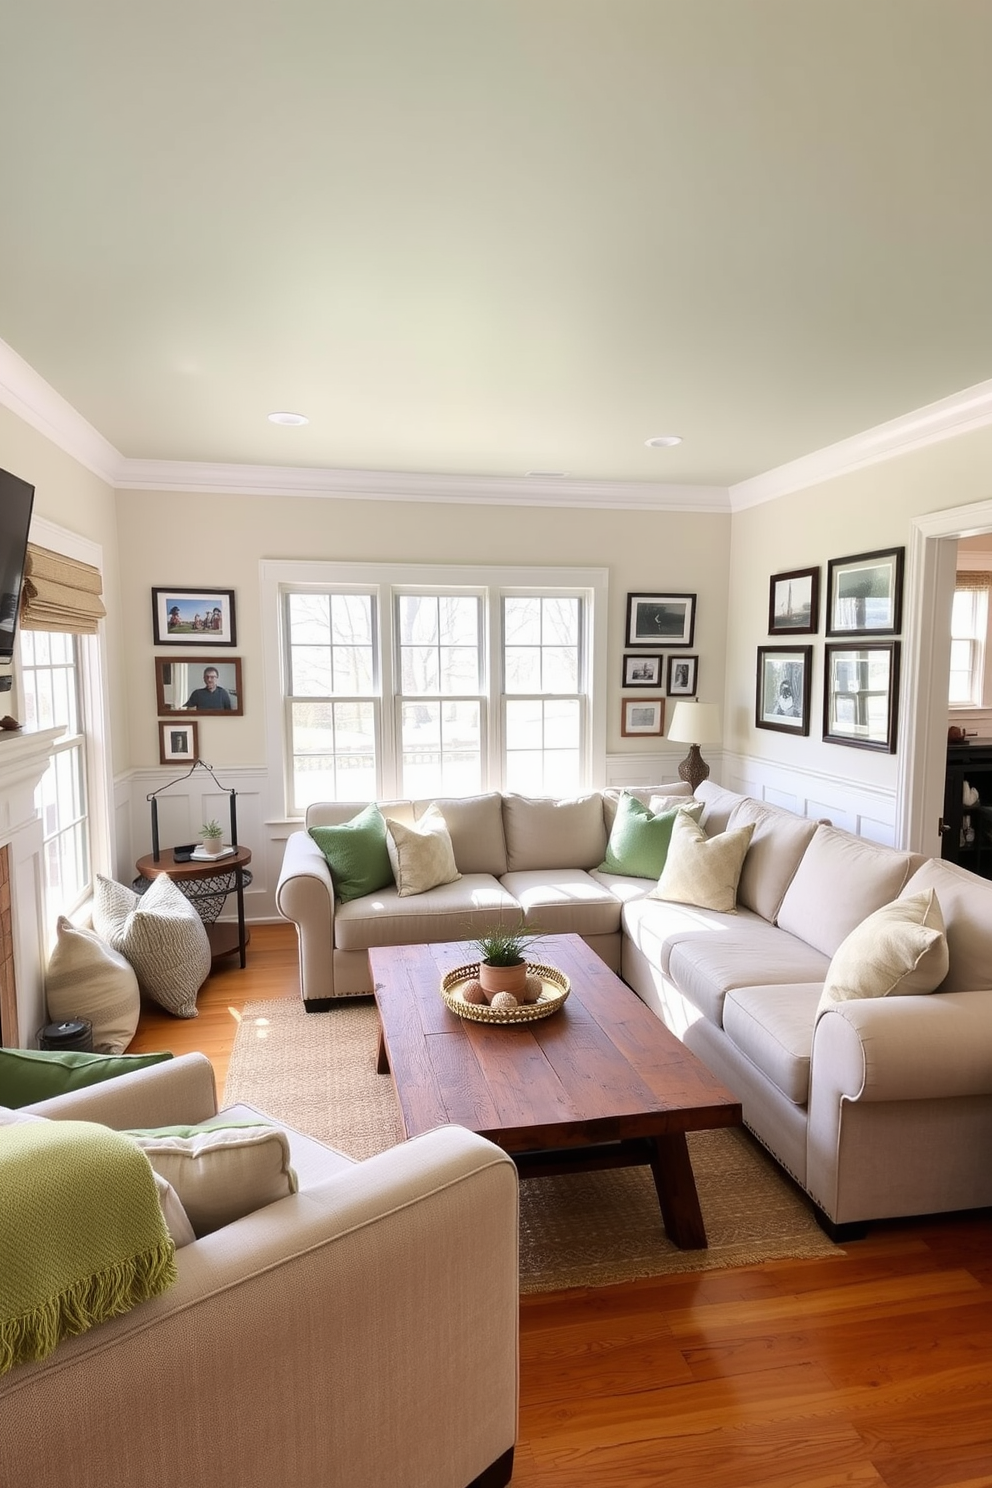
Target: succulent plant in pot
[[213, 837], [502, 957]]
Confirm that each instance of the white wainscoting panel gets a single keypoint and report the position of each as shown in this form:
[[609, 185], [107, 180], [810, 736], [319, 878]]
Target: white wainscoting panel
[[656, 768], [864, 810]]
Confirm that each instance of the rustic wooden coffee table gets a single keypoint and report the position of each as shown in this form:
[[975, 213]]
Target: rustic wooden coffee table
[[601, 1083]]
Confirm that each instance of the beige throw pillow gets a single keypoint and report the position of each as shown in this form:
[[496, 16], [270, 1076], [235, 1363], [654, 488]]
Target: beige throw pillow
[[421, 856], [220, 1173], [703, 870], [161, 935], [86, 978], [899, 951]]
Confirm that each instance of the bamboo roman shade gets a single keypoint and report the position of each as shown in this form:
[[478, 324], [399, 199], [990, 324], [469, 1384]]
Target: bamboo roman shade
[[60, 593], [973, 580]]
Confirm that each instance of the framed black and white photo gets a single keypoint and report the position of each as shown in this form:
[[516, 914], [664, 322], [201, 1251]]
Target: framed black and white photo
[[199, 684], [660, 619], [177, 742], [860, 695], [864, 594], [197, 617], [642, 716], [794, 602], [783, 688], [642, 671], [682, 672]]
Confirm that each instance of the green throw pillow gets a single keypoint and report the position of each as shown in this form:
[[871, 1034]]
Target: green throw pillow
[[29, 1075], [356, 854], [639, 839]]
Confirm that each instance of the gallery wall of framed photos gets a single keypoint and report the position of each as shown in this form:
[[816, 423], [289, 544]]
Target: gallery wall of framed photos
[[204, 684]]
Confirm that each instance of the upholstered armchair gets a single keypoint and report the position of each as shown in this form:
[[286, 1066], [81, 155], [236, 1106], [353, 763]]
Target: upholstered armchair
[[359, 1333]]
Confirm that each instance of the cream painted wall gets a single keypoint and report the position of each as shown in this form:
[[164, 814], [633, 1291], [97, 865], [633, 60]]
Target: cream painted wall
[[857, 513], [218, 541]]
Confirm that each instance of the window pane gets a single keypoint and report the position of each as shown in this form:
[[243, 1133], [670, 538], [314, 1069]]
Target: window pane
[[523, 668], [351, 617], [309, 619], [441, 748], [524, 725], [418, 619], [420, 671], [311, 671], [458, 669], [458, 620], [522, 620], [561, 669]]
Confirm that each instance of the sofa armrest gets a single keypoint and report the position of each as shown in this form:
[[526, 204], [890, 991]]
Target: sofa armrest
[[358, 1333], [905, 1048], [305, 895], [179, 1092]]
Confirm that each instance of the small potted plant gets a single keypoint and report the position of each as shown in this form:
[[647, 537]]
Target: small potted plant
[[502, 962], [213, 837]]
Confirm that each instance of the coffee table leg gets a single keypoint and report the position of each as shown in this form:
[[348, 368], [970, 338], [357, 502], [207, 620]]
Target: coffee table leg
[[676, 1186], [382, 1060]]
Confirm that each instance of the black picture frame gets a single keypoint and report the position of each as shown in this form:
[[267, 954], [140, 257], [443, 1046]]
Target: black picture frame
[[641, 670], [181, 677], [783, 685], [660, 619], [679, 685], [794, 602], [864, 593], [861, 695], [193, 617]]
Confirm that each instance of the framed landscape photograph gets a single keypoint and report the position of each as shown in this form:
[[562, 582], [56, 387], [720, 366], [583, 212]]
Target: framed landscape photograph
[[199, 684], [860, 695], [199, 617], [864, 593], [660, 619], [177, 742], [682, 672], [642, 716], [642, 671], [783, 688], [794, 602]]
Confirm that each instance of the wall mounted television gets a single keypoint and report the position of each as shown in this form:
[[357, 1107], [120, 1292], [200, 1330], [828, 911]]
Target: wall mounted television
[[16, 501]]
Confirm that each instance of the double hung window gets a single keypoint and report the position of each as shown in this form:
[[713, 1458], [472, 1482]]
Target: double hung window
[[969, 634]]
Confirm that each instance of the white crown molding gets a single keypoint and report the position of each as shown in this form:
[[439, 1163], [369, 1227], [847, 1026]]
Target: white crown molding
[[46, 534], [35, 401], [946, 419]]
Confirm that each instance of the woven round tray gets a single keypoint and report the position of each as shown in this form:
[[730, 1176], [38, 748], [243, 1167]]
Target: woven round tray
[[555, 990]]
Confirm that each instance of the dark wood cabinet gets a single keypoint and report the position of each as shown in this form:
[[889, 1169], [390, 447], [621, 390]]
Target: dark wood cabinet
[[967, 831]]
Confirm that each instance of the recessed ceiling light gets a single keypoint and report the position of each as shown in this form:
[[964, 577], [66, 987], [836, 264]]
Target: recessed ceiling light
[[288, 418], [662, 441], [546, 474]]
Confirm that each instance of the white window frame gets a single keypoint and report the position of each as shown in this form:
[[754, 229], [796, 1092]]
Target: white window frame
[[276, 577], [976, 562]]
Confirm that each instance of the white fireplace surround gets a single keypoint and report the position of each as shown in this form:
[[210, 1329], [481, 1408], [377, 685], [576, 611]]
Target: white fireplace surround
[[23, 761]]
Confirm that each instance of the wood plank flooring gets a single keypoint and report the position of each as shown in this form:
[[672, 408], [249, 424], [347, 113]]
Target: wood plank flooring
[[871, 1369]]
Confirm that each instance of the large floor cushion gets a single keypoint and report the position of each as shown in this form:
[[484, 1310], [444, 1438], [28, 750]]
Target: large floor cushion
[[773, 1027], [454, 911], [565, 900], [840, 881]]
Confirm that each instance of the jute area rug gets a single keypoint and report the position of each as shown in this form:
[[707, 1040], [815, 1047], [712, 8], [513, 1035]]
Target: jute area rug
[[316, 1072]]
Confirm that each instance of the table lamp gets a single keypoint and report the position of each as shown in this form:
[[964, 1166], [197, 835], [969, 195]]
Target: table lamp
[[695, 724]]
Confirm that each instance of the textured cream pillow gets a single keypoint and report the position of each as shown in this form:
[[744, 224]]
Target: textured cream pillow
[[703, 870], [162, 936], [422, 856], [220, 1173], [86, 978], [899, 951]]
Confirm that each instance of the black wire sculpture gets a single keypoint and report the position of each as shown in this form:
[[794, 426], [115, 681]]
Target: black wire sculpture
[[226, 790]]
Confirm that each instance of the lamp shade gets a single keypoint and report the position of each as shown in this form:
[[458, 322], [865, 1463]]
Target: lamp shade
[[695, 723]]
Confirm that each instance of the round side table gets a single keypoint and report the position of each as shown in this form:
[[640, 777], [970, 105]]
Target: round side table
[[206, 884]]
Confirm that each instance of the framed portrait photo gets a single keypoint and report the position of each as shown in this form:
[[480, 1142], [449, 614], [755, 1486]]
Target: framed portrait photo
[[642, 671], [864, 594], [794, 602], [199, 684], [641, 716], [860, 695], [783, 688], [660, 619], [682, 671], [198, 617], [177, 742]]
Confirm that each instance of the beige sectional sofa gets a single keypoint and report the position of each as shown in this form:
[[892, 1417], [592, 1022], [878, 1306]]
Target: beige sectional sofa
[[878, 1108]]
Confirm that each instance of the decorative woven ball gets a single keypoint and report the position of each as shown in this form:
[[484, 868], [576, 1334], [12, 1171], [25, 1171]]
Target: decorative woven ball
[[503, 1001], [533, 987], [473, 992]]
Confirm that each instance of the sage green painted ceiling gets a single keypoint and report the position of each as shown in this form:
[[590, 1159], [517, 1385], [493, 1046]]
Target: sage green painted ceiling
[[497, 236]]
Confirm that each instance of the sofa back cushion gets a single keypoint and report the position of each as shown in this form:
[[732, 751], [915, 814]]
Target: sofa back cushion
[[717, 806], [544, 833], [475, 824], [336, 813], [841, 879], [660, 794], [966, 905], [779, 841]]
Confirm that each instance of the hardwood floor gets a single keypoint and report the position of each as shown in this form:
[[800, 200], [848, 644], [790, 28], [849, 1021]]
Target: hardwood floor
[[872, 1369]]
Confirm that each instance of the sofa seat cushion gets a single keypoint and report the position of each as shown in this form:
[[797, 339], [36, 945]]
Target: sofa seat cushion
[[779, 840], [564, 900], [773, 1027], [454, 911], [840, 880], [622, 887], [544, 833], [706, 968]]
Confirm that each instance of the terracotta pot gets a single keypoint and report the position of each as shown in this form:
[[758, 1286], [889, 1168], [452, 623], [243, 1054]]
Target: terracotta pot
[[503, 978]]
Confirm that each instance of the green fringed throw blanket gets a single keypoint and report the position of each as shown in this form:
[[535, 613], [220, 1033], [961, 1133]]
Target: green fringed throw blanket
[[82, 1237]]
